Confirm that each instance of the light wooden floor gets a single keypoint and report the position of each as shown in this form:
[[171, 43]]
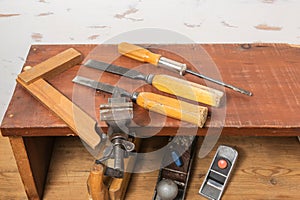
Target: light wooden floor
[[267, 168]]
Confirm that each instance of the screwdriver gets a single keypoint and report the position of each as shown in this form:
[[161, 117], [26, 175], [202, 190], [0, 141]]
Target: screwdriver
[[157, 103], [144, 55]]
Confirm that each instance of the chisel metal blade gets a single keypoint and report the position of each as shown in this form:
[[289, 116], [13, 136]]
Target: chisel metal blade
[[100, 86], [129, 73]]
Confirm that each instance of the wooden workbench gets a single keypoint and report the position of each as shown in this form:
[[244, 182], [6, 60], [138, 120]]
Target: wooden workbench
[[270, 71]]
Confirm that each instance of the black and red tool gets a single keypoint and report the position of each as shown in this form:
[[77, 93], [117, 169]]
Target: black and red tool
[[218, 173]]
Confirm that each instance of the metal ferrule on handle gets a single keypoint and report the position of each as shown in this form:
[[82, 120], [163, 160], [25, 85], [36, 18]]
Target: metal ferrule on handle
[[172, 64], [134, 96]]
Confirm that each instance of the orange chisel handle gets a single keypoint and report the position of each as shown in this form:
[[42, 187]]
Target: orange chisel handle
[[172, 107]]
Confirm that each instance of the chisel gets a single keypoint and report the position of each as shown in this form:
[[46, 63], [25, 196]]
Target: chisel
[[144, 55], [165, 83], [157, 103]]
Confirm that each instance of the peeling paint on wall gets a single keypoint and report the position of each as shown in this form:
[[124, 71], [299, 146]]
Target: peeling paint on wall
[[9, 15], [266, 27], [99, 27], [128, 12], [268, 1], [135, 19], [192, 25], [228, 25], [5, 60], [45, 14], [37, 37], [93, 37]]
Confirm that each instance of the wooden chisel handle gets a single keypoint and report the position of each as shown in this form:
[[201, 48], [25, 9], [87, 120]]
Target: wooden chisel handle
[[173, 108], [187, 89], [138, 53]]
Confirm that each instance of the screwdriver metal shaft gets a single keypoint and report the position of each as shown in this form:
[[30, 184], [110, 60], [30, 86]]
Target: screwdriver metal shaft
[[219, 82]]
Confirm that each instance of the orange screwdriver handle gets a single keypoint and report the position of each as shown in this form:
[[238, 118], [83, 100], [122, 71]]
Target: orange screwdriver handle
[[138, 53]]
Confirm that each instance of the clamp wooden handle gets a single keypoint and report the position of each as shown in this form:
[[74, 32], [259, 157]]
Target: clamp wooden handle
[[96, 187], [138, 53]]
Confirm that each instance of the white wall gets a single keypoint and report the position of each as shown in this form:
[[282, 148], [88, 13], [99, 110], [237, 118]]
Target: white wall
[[23, 23]]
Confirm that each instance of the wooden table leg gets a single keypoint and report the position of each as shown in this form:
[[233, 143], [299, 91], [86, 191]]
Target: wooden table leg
[[32, 155]]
